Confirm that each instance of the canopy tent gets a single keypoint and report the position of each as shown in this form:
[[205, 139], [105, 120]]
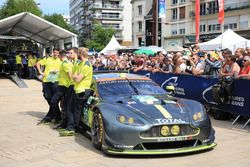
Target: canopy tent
[[112, 47], [230, 40], [174, 48], [37, 29]]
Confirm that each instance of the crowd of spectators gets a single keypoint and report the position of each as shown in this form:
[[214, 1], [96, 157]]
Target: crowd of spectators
[[218, 63]]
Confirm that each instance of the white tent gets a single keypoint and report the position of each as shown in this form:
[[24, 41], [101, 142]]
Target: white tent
[[112, 47], [36, 28], [230, 40]]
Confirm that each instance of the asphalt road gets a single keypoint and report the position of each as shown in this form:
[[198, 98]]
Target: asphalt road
[[24, 144]]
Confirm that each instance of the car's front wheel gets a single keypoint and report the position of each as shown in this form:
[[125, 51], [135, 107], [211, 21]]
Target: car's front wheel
[[97, 130]]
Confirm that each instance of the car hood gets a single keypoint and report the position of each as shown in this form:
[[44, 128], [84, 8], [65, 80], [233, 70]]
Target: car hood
[[155, 109]]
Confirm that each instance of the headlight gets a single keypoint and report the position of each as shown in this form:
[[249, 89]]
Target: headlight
[[199, 116], [175, 130], [165, 131], [129, 120]]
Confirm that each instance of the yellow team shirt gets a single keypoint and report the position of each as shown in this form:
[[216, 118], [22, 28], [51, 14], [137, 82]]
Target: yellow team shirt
[[51, 64], [18, 59], [63, 78], [84, 68], [74, 68], [31, 62]]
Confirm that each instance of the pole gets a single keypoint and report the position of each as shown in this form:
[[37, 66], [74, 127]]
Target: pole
[[156, 23], [222, 31], [153, 23]]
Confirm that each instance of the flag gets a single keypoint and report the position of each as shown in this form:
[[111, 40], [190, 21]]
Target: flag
[[221, 11], [197, 20]]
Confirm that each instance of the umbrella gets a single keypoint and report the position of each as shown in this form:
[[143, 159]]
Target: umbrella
[[144, 51], [154, 48]]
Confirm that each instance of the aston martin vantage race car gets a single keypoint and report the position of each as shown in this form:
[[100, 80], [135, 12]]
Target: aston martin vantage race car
[[131, 114]]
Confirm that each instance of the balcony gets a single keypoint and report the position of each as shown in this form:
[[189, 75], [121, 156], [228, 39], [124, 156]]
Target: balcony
[[112, 7], [119, 36], [107, 17], [113, 27], [106, 6], [87, 3], [237, 6]]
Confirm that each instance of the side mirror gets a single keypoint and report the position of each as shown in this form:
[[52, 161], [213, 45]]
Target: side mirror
[[170, 90]]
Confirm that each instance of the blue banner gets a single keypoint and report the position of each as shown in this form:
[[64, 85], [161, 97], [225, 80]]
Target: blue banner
[[162, 8], [200, 89]]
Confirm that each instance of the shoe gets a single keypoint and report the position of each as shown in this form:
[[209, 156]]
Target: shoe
[[60, 126], [67, 132]]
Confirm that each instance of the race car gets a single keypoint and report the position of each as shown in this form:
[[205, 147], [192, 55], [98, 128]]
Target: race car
[[131, 114]]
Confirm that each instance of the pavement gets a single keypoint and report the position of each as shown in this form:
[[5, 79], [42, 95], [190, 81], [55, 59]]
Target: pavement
[[25, 144]]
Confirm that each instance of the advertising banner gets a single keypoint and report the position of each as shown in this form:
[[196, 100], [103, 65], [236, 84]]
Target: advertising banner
[[200, 89], [162, 8]]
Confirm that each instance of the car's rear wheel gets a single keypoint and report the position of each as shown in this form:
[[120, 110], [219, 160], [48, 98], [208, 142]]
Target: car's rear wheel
[[97, 130]]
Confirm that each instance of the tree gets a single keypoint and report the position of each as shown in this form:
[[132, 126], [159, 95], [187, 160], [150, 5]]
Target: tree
[[99, 37], [58, 19], [12, 7]]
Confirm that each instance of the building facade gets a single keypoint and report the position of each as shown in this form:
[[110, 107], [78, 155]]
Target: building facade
[[180, 20], [116, 14], [178, 27]]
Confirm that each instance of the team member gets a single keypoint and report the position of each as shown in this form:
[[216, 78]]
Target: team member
[[31, 64], [64, 80], [50, 79], [19, 65], [73, 57], [83, 79]]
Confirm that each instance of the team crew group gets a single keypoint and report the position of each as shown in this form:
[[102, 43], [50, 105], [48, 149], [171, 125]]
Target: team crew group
[[66, 75]]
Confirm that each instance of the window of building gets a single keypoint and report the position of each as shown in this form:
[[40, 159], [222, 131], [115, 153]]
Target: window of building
[[140, 9], [203, 9], [140, 26], [174, 14], [244, 25], [174, 2], [174, 32], [182, 1], [214, 27], [231, 26], [203, 28], [182, 12], [182, 31], [213, 7]]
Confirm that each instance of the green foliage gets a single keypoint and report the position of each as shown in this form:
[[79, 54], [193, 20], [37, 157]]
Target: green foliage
[[12, 7], [99, 37], [58, 19]]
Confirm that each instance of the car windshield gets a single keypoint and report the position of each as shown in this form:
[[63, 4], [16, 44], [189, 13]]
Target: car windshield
[[128, 88]]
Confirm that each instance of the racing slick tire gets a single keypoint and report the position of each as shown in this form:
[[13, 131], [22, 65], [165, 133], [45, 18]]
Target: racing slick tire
[[97, 130]]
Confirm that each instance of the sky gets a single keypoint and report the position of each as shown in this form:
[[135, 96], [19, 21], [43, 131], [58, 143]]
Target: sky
[[51, 6]]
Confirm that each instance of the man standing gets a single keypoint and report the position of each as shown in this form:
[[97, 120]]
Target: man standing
[[50, 79], [19, 65], [64, 80], [82, 78], [73, 57]]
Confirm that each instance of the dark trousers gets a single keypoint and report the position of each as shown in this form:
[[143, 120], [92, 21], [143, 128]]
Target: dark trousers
[[56, 98], [78, 103], [31, 72], [49, 90], [67, 106], [75, 112], [19, 70]]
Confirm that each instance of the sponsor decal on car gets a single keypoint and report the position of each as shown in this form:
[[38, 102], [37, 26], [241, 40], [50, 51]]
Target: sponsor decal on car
[[174, 138], [169, 120]]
